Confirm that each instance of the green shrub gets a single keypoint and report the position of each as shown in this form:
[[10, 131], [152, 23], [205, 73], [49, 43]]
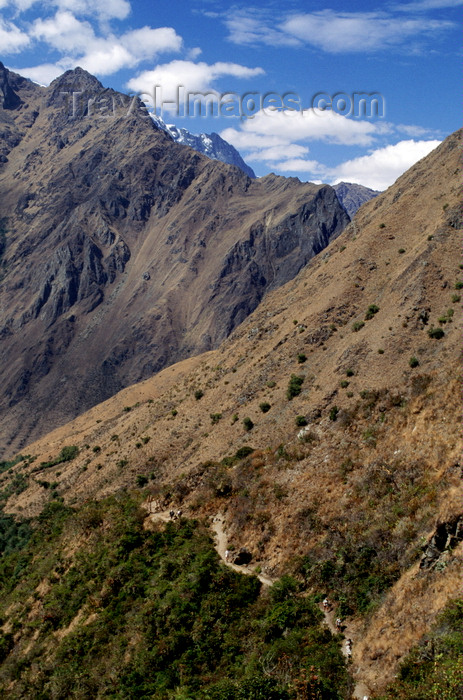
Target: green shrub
[[401, 250], [371, 311], [199, 393], [97, 449], [436, 333], [174, 412], [294, 386], [413, 362], [142, 480], [248, 424], [301, 421], [301, 358], [344, 384], [67, 454], [357, 325], [349, 372], [459, 285], [334, 413], [244, 452], [215, 417], [265, 407]]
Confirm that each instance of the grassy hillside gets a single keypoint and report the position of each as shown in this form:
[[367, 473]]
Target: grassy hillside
[[95, 605], [345, 388]]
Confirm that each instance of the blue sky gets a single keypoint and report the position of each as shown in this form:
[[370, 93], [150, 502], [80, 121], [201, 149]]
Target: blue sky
[[407, 53]]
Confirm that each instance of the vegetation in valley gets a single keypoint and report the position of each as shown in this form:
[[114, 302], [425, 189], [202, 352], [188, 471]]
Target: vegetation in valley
[[434, 668], [96, 605]]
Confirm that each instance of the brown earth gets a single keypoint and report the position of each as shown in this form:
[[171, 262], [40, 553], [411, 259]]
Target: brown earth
[[381, 475], [123, 252]]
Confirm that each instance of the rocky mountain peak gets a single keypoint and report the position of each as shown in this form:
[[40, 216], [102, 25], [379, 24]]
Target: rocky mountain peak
[[10, 100]]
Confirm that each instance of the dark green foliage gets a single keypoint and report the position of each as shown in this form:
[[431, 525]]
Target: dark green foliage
[[434, 669], [456, 298], [215, 417], [357, 326], [459, 285], [142, 480], [413, 362], [344, 384], [301, 358], [371, 311], [199, 393], [243, 452], [265, 407], [14, 534], [248, 424], [159, 616], [401, 250], [66, 455], [349, 372], [334, 413], [301, 421], [436, 333], [294, 386], [7, 464]]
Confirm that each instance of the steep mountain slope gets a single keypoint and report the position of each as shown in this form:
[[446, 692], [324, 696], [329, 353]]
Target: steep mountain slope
[[123, 252], [352, 196], [345, 385], [211, 145]]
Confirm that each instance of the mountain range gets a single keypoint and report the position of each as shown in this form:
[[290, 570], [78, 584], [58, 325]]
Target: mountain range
[[323, 433], [211, 145], [124, 252]]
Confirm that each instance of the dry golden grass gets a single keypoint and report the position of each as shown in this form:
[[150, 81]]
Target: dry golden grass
[[395, 425]]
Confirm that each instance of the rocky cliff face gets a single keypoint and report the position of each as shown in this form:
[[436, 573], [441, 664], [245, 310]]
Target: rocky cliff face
[[352, 196], [211, 145], [124, 252]]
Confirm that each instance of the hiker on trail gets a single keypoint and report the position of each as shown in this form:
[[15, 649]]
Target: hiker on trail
[[326, 604], [179, 513], [338, 623], [171, 514], [227, 555]]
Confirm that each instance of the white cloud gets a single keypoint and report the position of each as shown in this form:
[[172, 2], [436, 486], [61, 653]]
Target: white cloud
[[313, 124], [76, 40], [338, 32], [145, 43], [64, 32], [255, 26], [42, 74], [299, 165], [423, 5], [382, 167], [109, 9], [12, 39], [194, 77], [292, 150]]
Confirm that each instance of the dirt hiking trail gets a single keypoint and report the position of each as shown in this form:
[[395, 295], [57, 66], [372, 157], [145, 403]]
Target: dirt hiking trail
[[361, 691]]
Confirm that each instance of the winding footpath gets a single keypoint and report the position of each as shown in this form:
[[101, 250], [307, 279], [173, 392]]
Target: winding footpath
[[361, 691]]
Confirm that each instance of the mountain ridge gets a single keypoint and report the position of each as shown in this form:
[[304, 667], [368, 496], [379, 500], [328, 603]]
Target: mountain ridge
[[324, 429], [107, 219]]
